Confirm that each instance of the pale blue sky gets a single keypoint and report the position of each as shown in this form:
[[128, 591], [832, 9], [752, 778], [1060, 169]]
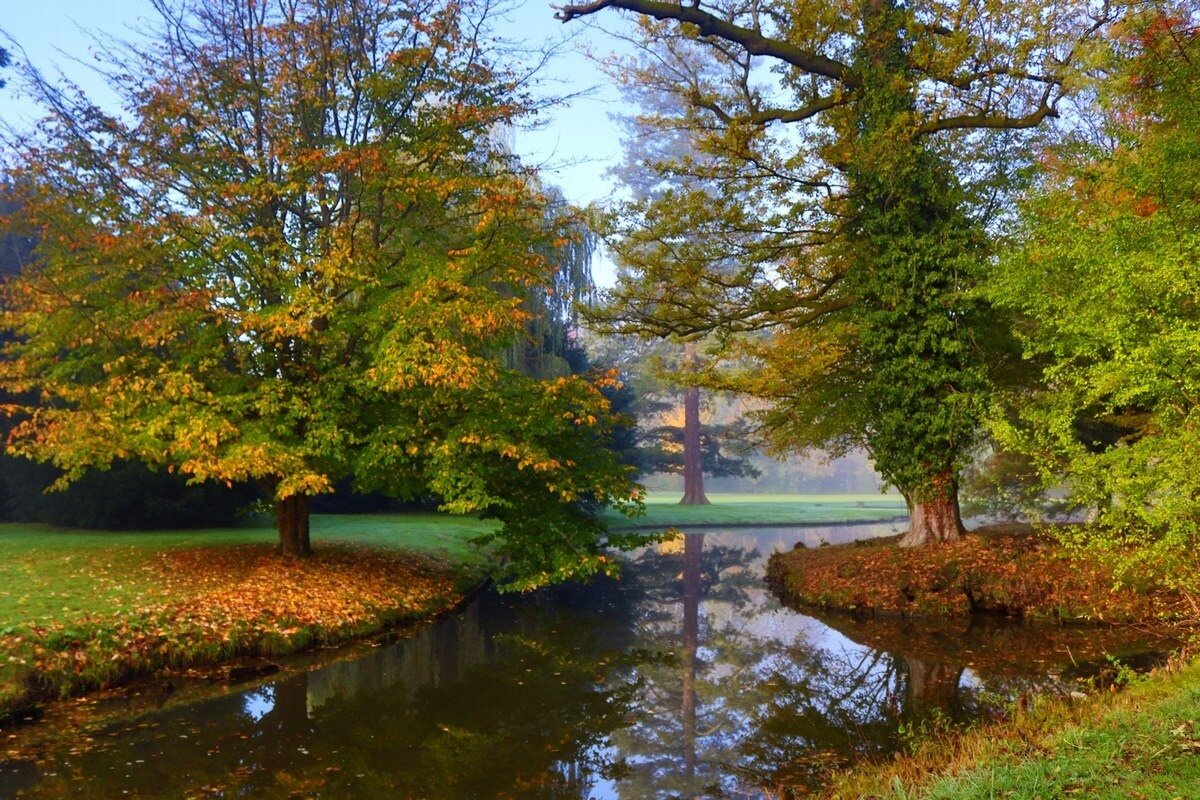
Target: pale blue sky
[[575, 145]]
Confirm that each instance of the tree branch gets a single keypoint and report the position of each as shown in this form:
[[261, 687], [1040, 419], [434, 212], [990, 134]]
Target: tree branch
[[1034, 118], [711, 25]]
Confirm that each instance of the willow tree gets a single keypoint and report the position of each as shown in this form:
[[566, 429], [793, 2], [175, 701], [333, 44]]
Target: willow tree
[[838, 151], [553, 305], [298, 253]]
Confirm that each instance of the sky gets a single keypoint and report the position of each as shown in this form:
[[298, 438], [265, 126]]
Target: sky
[[574, 146]]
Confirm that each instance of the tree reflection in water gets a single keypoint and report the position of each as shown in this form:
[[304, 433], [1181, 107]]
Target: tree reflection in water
[[759, 701], [746, 707], [685, 679]]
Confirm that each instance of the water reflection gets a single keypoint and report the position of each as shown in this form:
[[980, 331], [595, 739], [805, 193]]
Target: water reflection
[[684, 680]]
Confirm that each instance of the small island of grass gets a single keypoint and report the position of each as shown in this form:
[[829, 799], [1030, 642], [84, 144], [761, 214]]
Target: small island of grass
[[1010, 570]]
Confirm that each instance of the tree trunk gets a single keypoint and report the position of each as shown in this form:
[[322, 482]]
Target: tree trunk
[[291, 515], [693, 465], [935, 519], [693, 471]]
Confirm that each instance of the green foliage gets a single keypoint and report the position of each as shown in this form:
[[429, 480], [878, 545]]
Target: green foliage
[[549, 349], [295, 266], [913, 255], [723, 450], [822, 231], [1106, 274], [1006, 485]]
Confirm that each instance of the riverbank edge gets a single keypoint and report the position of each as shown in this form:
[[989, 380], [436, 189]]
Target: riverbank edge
[[686, 526], [1007, 570], [1102, 745], [43, 689]]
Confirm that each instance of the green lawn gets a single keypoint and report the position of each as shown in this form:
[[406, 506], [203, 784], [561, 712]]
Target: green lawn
[[1142, 743], [663, 510], [60, 574]]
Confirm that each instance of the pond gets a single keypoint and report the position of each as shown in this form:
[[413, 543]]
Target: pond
[[684, 679]]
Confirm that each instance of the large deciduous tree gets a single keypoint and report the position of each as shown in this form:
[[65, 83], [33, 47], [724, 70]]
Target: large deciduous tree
[[298, 252], [1106, 272], [840, 160]]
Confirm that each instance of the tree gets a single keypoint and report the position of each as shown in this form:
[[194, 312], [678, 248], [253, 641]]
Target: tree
[[854, 177], [125, 496], [698, 450], [298, 254], [722, 448], [551, 343], [653, 372], [646, 184], [1105, 273]]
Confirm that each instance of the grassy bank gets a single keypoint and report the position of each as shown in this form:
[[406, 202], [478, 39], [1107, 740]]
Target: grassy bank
[[663, 510], [80, 610], [1140, 743], [998, 571]]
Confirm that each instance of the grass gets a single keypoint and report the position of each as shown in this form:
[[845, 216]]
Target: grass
[[57, 574], [663, 510], [1141, 743], [84, 609]]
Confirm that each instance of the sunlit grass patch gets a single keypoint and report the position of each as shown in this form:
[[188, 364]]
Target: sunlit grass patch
[[84, 609], [663, 510]]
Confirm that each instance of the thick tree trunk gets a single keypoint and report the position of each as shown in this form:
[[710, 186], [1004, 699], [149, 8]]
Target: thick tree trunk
[[693, 465], [291, 515], [693, 471], [937, 518]]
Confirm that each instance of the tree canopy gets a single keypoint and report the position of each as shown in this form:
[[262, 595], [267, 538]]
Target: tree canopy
[[841, 164], [1105, 275], [298, 252]]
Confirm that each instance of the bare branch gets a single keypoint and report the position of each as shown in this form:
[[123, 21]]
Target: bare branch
[[711, 25]]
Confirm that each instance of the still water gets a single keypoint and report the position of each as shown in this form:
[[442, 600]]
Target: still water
[[684, 679]]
